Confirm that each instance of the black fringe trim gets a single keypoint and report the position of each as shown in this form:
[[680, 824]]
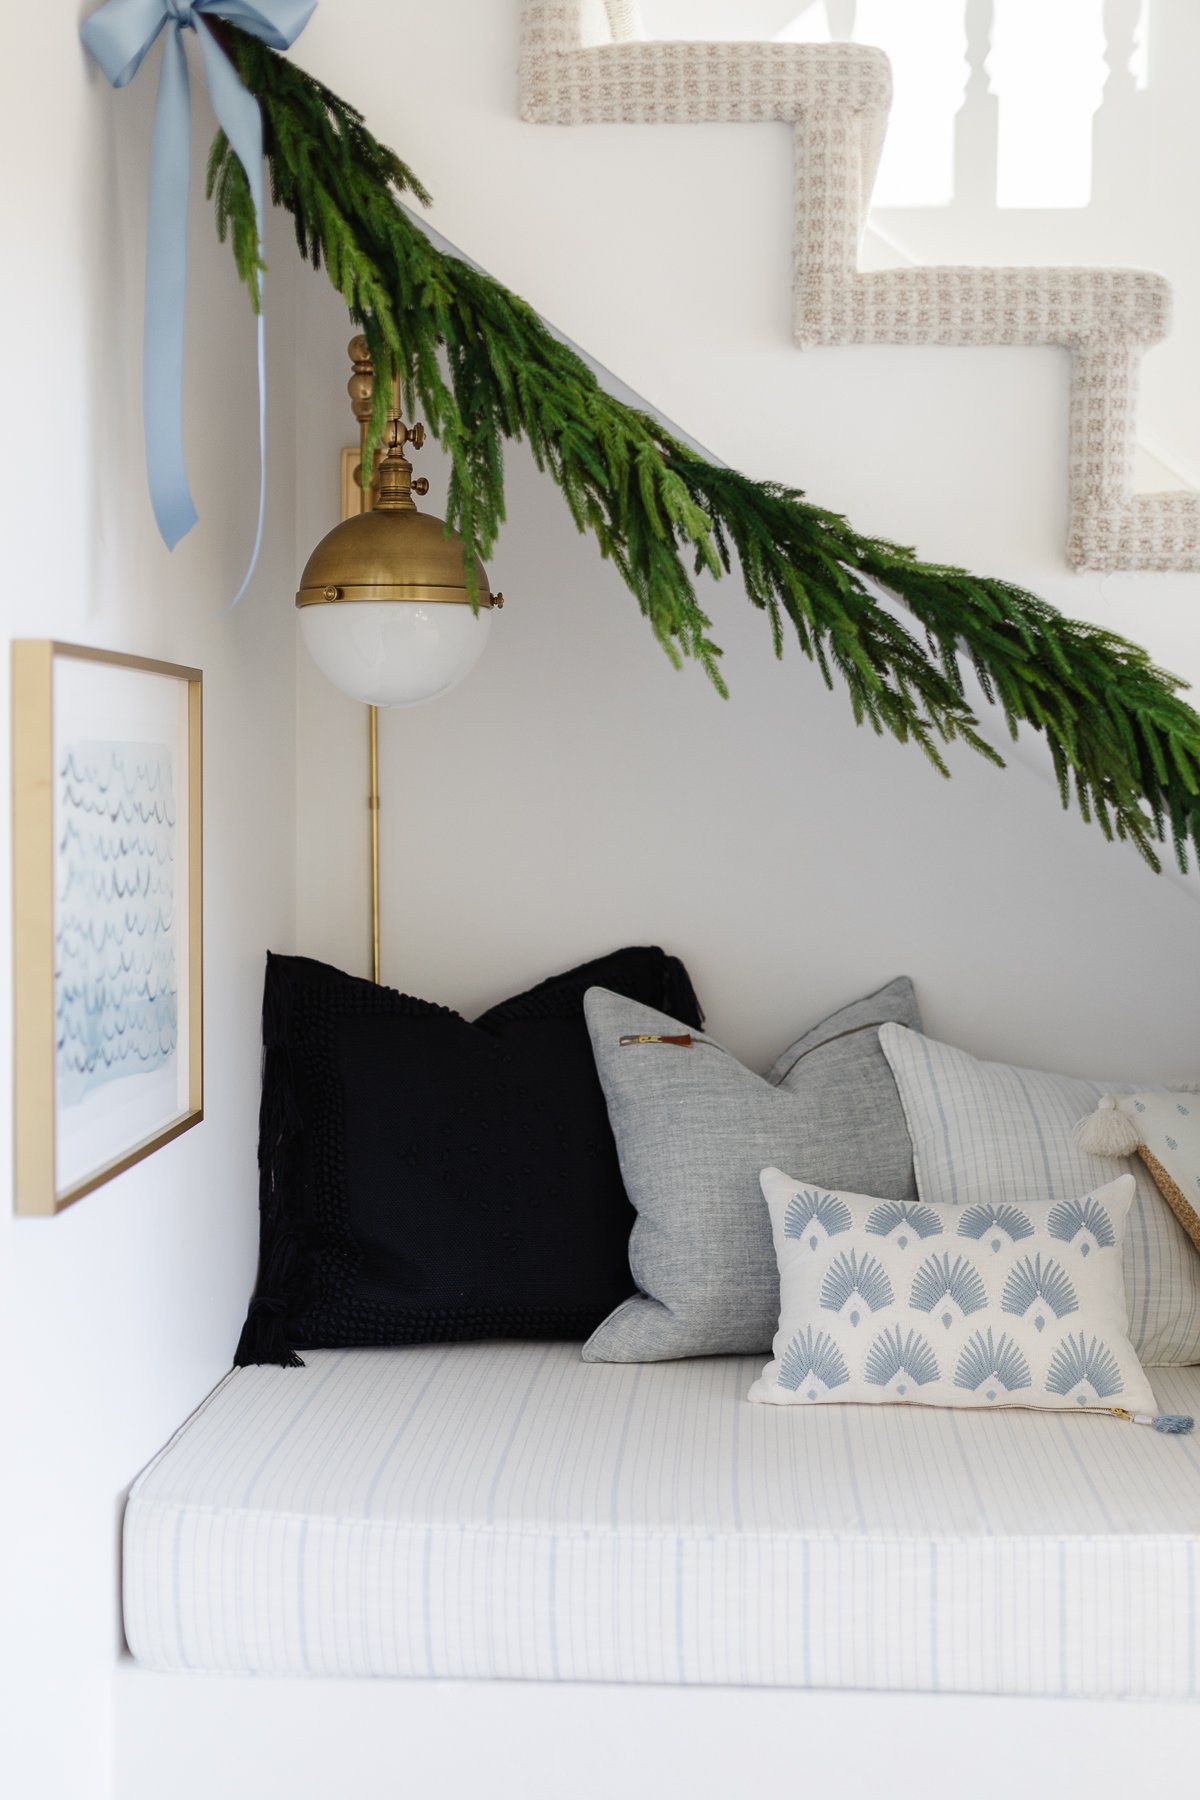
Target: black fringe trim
[[264, 1336]]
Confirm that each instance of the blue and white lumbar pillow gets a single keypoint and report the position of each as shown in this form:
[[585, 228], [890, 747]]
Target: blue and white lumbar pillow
[[922, 1304]]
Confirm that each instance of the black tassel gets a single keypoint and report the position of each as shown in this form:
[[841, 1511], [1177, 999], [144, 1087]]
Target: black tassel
[[278, 1289], [264, 1336]]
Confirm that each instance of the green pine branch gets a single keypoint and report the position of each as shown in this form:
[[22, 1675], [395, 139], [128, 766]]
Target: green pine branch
[[483, 369]]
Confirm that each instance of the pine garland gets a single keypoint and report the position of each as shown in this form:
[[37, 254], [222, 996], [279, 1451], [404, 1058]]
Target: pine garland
[[481, 366]]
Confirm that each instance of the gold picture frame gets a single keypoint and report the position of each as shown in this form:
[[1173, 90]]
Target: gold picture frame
[[108, 976]]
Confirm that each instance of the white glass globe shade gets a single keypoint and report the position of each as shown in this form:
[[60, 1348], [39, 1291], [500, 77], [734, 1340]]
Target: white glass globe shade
[[395, 652]]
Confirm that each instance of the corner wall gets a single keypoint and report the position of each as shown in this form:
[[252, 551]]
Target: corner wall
[[118, 1316]]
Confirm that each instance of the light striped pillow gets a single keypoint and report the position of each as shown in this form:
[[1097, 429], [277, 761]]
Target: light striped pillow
[[985, 1131]]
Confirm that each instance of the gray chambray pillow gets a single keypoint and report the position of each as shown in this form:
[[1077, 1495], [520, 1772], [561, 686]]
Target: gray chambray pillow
[[694, 1127]]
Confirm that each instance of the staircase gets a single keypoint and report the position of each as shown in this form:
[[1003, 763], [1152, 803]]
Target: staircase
[[584, 62]]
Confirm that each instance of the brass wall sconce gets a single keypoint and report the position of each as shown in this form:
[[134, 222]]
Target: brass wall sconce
[[385, 610]]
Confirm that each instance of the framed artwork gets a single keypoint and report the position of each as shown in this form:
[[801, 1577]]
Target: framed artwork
[[107, 915]]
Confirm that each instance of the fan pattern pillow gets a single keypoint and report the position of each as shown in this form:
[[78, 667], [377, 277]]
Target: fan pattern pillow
[[1168, 1125], [987, 1305], [984, 1131]]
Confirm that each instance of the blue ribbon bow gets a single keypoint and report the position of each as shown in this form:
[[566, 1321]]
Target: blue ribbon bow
[[118, 37]]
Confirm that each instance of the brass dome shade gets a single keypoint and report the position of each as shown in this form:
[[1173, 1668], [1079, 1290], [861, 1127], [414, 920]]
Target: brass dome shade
[[393, 552], [389, 556]]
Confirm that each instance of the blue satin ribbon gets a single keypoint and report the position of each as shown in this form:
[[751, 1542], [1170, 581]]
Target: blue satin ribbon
[[118, 36]]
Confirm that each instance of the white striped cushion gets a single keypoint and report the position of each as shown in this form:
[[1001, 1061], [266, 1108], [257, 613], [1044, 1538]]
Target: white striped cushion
[[507, 1510], [985, 1131]]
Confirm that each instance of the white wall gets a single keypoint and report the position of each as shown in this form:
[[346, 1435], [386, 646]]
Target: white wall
[[737, 19], [576, 792], [117, 1317]]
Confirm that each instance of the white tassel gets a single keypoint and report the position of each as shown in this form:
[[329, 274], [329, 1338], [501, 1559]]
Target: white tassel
[[1106, 1132]]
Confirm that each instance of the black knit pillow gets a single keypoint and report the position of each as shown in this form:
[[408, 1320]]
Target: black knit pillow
[[426, 1180]]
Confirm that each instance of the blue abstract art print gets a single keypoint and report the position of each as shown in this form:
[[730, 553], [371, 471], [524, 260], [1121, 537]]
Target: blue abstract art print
[[116, 963]]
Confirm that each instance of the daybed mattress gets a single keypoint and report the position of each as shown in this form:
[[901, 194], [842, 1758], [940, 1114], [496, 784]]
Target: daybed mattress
[[505, 1510]]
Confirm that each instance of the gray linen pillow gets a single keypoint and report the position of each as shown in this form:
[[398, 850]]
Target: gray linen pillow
[[694, 1127]]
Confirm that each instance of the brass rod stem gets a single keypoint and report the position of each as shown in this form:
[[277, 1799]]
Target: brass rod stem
[[362, 384], [373, 805], [373, 794]]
